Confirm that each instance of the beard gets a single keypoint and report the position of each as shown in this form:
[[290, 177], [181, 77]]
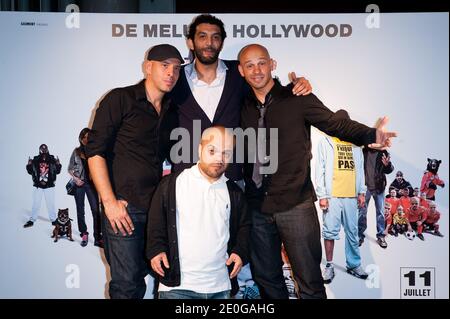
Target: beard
[[212, 170], [198, 53]]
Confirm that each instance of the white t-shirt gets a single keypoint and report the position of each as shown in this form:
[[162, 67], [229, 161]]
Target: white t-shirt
[[203, 217]]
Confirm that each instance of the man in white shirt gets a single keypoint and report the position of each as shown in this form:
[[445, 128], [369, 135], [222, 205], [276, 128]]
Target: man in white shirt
[[211, 91], [198, 225]]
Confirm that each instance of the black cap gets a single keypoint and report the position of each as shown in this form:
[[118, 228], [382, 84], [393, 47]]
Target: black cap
[[163, 52]]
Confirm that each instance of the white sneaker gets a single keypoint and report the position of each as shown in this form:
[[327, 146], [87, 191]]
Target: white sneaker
[[358, 272], [328, 274]]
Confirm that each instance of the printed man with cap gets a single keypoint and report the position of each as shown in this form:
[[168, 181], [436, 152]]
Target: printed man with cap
[[400, 184], [43, 168], [126, 148]]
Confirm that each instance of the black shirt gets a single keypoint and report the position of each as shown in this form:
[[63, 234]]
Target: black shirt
[[375, 170], [134, 140], [293, 116]]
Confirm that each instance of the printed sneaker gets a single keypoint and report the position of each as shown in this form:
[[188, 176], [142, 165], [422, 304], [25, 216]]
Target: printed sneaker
[[358, 272], [28, 224], [438, 233], [382, 242], [84, 240], [328, 274]]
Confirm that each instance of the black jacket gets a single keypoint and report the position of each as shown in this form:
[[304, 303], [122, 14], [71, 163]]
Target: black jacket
[[227, 114], [53, 170], [162, 231], [400, 186], [293, 116], [379, 177]]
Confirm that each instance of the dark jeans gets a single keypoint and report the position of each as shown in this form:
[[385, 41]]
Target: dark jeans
[[378, 197], [299, 230], [188, 294], [126, 257], [92, 197]]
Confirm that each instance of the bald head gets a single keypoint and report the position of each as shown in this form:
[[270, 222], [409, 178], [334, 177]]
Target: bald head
[[215, 151], [217, 133], [253, 47], [256, 66]]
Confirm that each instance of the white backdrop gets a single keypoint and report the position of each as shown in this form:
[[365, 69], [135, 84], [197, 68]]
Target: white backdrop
[[52, 77]]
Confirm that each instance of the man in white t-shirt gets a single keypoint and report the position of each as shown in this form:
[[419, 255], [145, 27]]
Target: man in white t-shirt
[[198, 227]]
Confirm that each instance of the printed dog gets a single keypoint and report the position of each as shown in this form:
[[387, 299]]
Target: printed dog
[[63, 225]]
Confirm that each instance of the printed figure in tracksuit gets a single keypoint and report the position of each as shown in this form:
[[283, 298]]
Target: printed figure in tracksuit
[[341, 189]]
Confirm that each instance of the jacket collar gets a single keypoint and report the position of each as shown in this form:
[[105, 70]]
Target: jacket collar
[[274, 93]]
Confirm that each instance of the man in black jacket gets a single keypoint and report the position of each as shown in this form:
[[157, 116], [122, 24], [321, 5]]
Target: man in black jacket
[[43, 169], [376, 165], [282, 202], [401, 185], [210, 90], [198, 225]]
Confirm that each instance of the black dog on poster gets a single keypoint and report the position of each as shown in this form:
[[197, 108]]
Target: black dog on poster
[[63, 225]]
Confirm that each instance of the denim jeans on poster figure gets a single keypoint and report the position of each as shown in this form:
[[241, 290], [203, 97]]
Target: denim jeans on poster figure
[[126, 257], [378, 197], [299, 230], [88, 190]]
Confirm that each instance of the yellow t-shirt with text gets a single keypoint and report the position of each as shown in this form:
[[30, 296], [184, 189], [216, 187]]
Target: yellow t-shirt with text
[[344, 174]]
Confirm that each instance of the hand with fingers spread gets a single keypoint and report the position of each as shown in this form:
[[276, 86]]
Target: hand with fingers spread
[[301, 85], [118, 217], [234, 258], [156, 261], [385, 160], [383, 138]]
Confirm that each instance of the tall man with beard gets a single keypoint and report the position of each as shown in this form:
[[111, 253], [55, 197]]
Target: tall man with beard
[[211, 91]]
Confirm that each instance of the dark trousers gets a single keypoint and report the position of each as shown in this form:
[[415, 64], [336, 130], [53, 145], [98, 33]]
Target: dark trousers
[[299, 230], [126, 258], [91, 194]]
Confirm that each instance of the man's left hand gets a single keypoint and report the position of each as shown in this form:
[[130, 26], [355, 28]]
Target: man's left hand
[[301, 85], [385, 160], [234, 258], [361, 200]]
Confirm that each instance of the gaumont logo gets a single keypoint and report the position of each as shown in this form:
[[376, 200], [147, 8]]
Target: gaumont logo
[[33, 24]]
